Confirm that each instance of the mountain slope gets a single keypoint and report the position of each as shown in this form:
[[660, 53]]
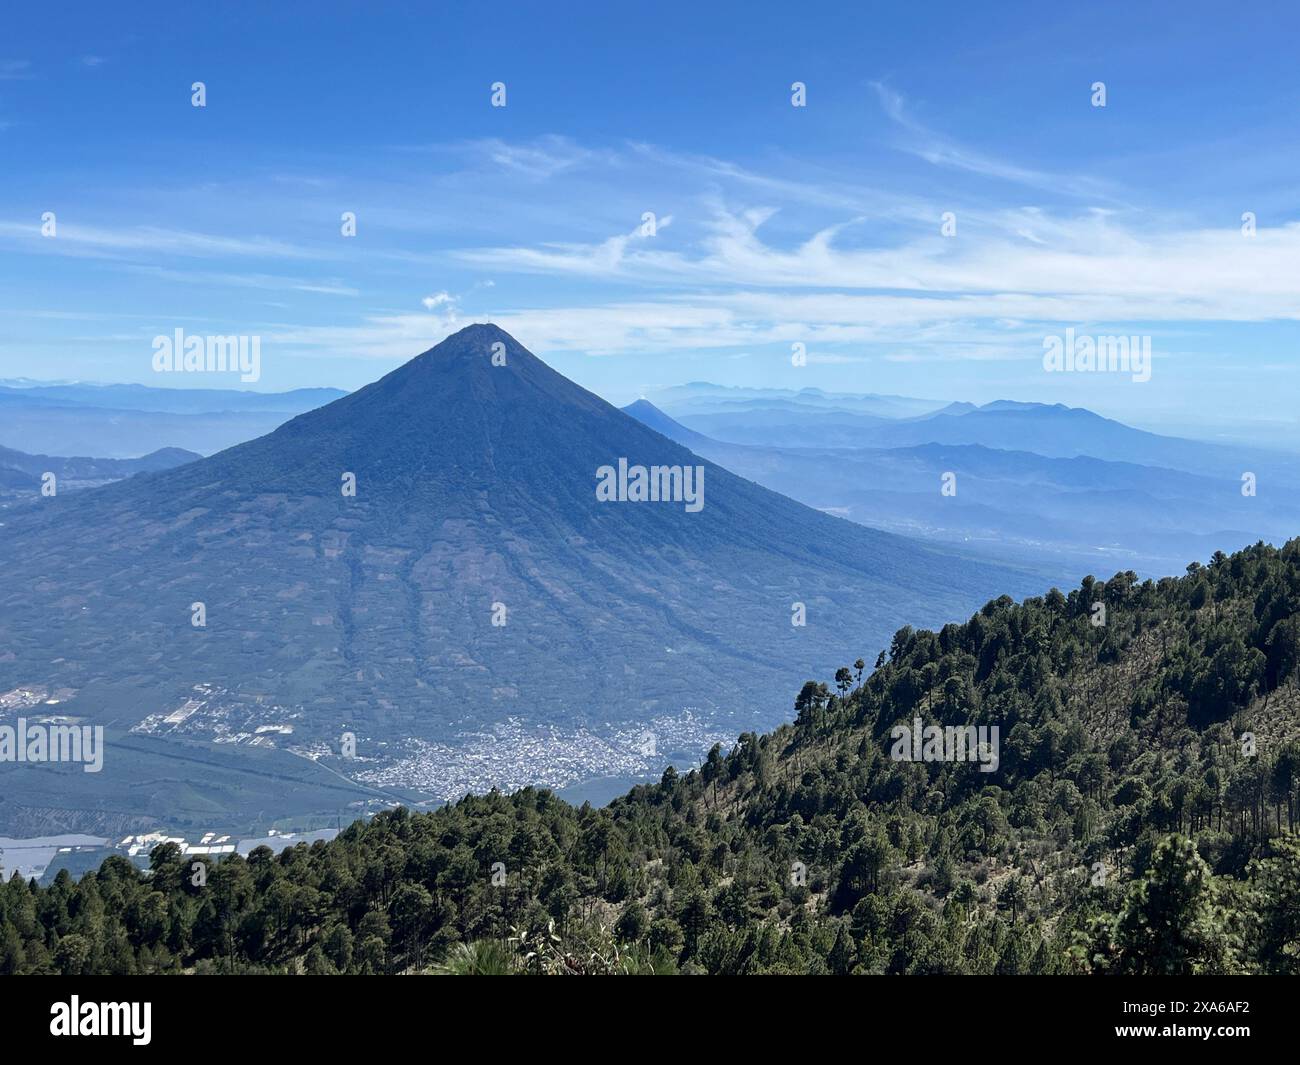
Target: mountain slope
[[1126, 827], [373, 614]]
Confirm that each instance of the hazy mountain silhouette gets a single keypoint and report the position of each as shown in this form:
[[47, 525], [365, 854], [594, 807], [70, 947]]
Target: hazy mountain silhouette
[[475, 486], [172, 400], [649, 415], [16, 481], [701, 397], [125, 421], [1051, 430], [94, 469], [1067, 515]]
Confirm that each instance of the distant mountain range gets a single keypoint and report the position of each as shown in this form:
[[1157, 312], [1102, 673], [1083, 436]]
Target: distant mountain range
[[1052, 430], [703, 397], [1063, 507], [172, 400], [25, 471], [474, 582], [126, 421]]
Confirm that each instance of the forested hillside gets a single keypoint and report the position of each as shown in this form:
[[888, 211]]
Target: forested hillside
[[1140, 819]]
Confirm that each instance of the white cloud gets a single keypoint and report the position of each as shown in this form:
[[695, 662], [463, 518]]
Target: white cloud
[[84, 240], [541, 159], [1025, 264], [272, 282], [942, 151], [616, 256], [739, 260]]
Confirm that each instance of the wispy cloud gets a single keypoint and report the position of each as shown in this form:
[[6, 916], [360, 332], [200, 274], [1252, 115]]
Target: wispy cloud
[[1020, 263], [76, 239], [538, 159], [739, 260], [542, 159], [266, 282], [611, 257], [943, 151]]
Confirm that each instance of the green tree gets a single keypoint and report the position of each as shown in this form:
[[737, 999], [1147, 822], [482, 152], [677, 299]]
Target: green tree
[[1171, 923]]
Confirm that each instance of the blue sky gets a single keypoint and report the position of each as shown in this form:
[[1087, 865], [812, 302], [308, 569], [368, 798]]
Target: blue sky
[[776, 225]]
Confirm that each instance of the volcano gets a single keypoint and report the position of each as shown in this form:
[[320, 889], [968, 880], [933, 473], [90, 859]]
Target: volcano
[[429, 555]]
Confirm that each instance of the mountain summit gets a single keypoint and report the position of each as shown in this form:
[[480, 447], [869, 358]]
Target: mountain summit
[[428, 557]]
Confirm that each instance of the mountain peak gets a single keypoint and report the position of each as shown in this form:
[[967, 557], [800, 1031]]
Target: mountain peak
[[478, 332], [476, 339], [478, 368], [651, 416]]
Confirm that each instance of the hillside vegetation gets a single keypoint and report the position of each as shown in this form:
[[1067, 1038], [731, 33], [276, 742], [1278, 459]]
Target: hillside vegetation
[[1140, 819]]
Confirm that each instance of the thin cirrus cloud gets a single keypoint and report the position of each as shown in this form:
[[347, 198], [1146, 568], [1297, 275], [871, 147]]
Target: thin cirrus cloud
[[608, 257], [725, 279], [1026, 263], [942, 151], [268, 282], [743, 255], [90, 241], [688, 321]]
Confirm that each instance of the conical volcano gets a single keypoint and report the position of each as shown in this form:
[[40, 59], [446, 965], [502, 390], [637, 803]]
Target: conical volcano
[[431, 557]]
